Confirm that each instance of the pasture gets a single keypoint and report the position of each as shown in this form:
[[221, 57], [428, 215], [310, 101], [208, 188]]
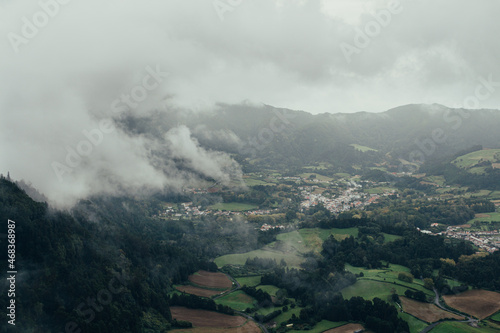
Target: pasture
[[256, 182], [471, 159], [206, 284], [319, 177], [415, 324], [456, 327], [271, 290], [292, 258], [390, 238], [382, 280], [378, 190], [250, 281], [237, 300], [249, 327], [286, 316], [289, 246], [370, 289], [486, 217]]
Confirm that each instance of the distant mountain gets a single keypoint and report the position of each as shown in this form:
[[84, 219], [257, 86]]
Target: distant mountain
[[272, 136]]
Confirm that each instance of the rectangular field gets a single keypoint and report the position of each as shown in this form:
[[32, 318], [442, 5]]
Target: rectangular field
[[349, 328], [486, 217], [425, 311], [479, 303], [454, 327], [213, 280], [250, 281], [370, 289], [416, 325], [203, 318], [248, 327], [289, 246], [189, 289], [233, 206], [237, 300]]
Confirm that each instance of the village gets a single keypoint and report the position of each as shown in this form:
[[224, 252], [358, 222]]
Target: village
[[337, 197], [352, 197], [486, 240]]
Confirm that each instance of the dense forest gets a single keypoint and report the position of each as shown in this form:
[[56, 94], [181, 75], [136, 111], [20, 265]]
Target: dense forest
[[105, 266]]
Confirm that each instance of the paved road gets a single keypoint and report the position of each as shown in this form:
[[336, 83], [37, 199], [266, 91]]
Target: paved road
[[236, 283], [243, 314], [469, 320], [264, 329]]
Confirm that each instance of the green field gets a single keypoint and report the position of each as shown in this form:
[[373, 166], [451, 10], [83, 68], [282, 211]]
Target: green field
[[318, 177], [254, 182], [481, 193], [380, 283], [321, 327], [455, 327], [495, 195], [286, 316], [271, 290], [370, 289], [468, 161], [415, 325], [311, 239], [438, 180], [237, 300], [452, 189], [362, 148], [491, 218], [250, 281], [378, 190], [289, 246], [390, 238], [233, 206], [292, 259], [453, 283], [343, 175], [496, 316]]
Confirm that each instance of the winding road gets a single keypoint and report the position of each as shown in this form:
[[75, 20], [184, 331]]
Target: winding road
[[470, 320], [243, 314]]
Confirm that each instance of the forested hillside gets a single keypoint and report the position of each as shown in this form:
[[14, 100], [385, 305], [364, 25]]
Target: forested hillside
[[105, 266]]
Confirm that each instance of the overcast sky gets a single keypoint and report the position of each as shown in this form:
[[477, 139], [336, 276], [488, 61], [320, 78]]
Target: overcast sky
[[61, 73]]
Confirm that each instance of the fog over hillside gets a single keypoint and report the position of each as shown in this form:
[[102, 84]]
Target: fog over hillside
[[256, 166], [75, 77]]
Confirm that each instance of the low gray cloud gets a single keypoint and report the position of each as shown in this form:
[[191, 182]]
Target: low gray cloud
[[64, 63]]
